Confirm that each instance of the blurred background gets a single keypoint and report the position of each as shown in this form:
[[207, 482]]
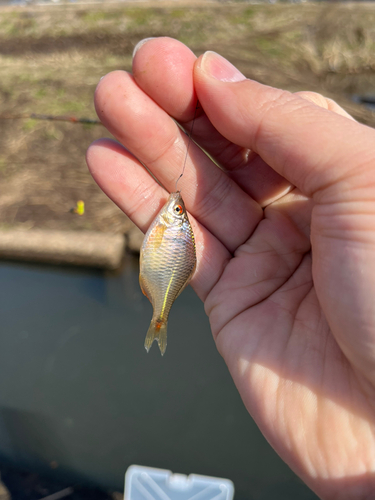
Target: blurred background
[[80, 400]]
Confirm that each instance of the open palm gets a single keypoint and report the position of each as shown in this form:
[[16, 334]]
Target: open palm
[[287, 274]]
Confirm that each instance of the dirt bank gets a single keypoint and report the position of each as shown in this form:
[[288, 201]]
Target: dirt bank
[[51, 58]]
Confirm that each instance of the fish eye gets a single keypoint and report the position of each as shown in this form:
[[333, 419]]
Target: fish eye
[[178, 209]]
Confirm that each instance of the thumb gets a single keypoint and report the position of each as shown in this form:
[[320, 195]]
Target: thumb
[[312, 147]]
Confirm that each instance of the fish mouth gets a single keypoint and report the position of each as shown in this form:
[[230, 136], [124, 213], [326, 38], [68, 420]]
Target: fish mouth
[[176, 198]]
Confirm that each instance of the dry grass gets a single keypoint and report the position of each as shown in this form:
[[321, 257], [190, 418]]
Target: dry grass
[[51, 58]]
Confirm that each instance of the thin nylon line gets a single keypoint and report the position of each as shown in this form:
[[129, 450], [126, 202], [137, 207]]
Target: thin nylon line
[[187, 149]]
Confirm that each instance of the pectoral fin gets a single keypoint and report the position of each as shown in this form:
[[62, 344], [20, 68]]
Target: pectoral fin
[[158, 235]]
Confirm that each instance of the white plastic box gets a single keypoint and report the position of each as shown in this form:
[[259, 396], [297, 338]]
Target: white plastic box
[[147, 483]]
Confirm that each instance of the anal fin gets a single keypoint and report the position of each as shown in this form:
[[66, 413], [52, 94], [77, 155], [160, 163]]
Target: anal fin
[[143, 287]]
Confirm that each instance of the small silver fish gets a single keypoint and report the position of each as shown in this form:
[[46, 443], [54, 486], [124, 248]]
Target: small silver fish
[[167, 264]]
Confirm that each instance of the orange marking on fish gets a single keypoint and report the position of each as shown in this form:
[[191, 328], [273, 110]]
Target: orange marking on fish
[[158, 235], [159, 324]]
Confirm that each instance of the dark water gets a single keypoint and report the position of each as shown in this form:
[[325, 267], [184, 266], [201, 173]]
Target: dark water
[[367, 100], [78, 391]]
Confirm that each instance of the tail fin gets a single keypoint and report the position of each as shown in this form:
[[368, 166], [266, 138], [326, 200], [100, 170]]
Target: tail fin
[[157, 331]]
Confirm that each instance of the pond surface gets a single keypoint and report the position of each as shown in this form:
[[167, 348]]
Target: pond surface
[[367, 100], [81, 399]]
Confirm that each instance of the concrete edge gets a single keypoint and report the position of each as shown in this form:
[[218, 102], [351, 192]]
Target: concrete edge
[[80, 248]]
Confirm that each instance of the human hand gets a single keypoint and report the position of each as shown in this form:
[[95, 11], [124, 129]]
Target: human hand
[[287, 274]]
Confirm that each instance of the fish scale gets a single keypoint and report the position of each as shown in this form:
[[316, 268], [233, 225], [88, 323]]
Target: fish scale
[[167, 263]]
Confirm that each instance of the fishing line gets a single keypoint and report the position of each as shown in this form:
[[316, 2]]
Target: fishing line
[[187, 149]]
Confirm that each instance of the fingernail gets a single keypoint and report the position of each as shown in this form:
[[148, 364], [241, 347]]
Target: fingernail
[[219, 68], [139, 44]]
